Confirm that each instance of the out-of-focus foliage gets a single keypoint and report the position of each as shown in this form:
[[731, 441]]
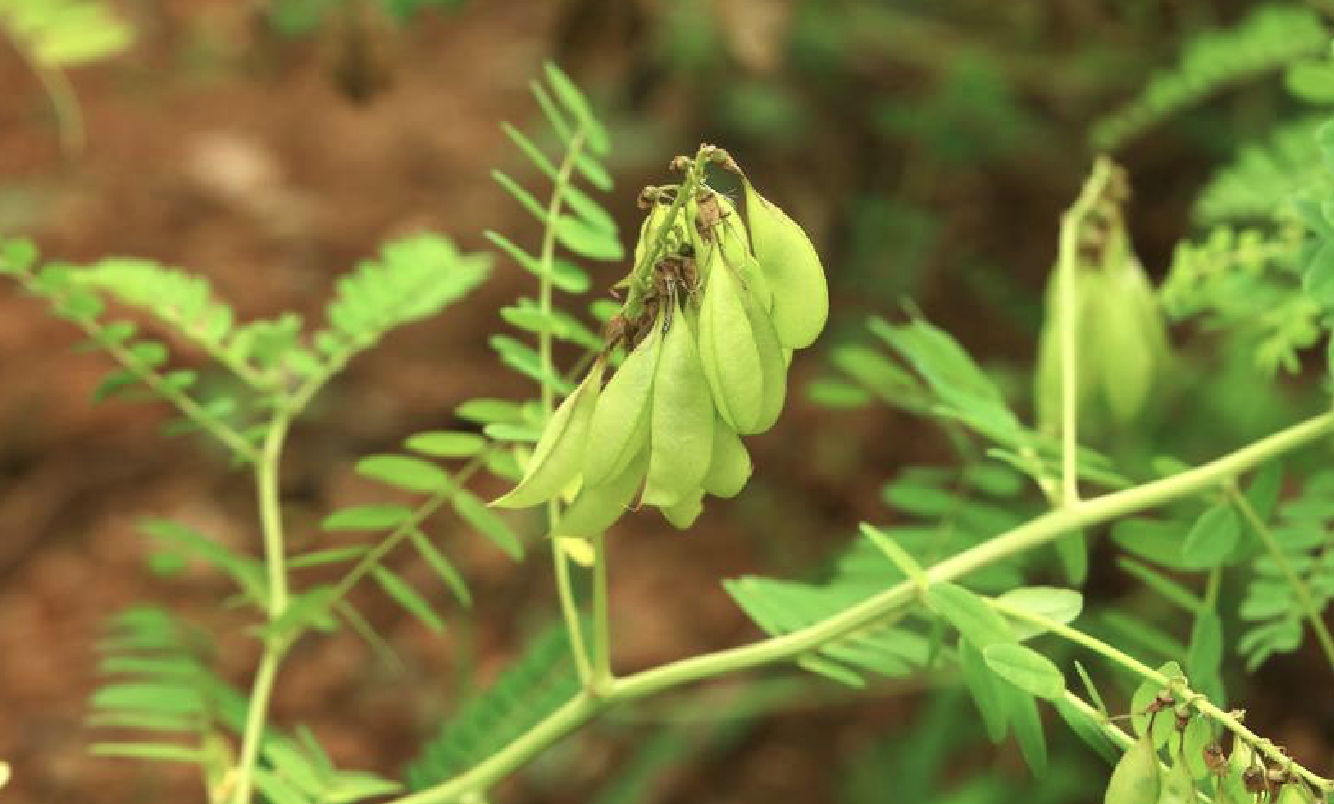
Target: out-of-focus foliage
[[64, 33]]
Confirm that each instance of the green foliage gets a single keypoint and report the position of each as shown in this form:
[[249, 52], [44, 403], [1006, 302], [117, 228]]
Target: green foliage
[[64, 33], [531, 688], [1246, 284], [415, 278], [304, 17], [1273, 608], [1270, 38], [1266, 177]]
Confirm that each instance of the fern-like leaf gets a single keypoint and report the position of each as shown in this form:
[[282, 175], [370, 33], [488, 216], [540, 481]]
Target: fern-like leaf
[[1272, 605], [1269, 39], [537, 684], [1265, 177], [415, 278]]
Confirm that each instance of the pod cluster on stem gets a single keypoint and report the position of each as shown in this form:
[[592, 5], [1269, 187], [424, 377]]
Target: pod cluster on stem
[[716, 303]]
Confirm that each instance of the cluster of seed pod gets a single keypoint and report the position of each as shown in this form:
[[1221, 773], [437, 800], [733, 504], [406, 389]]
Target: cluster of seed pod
[[1198, 765], [715, 308]]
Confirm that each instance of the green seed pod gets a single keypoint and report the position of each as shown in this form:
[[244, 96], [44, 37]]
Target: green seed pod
[[730, 466], [598, 507], [728, 351], [682, 415], [1136, 779], [772, 364], [683, 514], [559, 454], [620, 423], [800, 295], [1128, 332]]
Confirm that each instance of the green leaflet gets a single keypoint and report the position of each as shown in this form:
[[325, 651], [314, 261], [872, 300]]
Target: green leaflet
[[559, 454], [1213, 538], [728, 351], [1025, 668], [619, 427], [730, 466], [1178, 786], [682, 417], [983, 687], [800, 295], [969, 614], [598, 507], [1135, 779], [1194, 740]]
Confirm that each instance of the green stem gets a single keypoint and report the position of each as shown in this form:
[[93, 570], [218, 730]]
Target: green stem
[[275, 559], [64, 101], [404, 529], [1035, 533], [602, 674], [1299, 587], [558, 724], [570, 610], [694, 177], [1072, 222], [568, 604], [1196, 700]]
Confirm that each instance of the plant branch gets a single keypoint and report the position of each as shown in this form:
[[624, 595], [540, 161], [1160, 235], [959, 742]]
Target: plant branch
[[1035, 533], [1194, 699], [275, 558], [568, 605], [1299, 587], [59, 90], [602, 674]]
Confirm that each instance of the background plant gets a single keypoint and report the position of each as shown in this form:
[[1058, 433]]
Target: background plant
[[989, 412]]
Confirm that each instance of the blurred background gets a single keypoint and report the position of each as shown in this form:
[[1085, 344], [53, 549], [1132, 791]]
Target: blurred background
[[927, 146]]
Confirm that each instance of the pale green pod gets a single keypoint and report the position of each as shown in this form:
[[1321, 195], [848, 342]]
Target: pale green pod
[[681, 416], [620, 424], [758, 284], [1047, 379], [730, 466], [1128, 331], [773, 366], [728, 352], [683, 514], [1136, 779], [598, 507], [559, 455], [800, 294]]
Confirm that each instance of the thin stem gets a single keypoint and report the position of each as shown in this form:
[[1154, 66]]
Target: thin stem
[[64, 101], [191, 409], [1068, 276], [658, 238], [568, 605], [570, 610], [275, 559], [558, 724], [1035, 533], [1194, 699], [1303, 592], [404, 529], [602, 674]]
